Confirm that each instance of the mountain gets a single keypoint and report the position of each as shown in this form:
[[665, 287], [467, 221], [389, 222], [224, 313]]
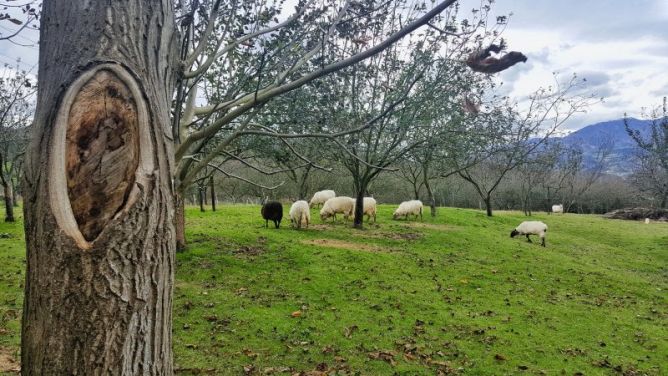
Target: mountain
[[589, 138]]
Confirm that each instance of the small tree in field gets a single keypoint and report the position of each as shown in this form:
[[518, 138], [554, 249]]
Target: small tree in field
[[16, 89], [651, 175], [521, 134]]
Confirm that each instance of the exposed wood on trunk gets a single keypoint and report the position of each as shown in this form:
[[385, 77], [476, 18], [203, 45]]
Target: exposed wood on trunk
[[102, 147], [103, 305]]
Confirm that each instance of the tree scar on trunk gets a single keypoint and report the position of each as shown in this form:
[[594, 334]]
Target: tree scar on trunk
[[101, 152]]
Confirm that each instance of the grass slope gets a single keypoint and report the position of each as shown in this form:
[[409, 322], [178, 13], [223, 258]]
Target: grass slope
[[451, 294]]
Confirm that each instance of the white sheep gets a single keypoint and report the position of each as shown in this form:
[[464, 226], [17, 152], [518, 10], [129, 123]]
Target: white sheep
[[300, 213], [369, 208], [321, 197], [531, 228], [406, 208], [334, 205], [646, 221], [558, 209]]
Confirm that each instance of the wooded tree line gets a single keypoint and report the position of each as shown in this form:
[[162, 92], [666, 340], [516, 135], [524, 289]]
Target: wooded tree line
[[132, 116]]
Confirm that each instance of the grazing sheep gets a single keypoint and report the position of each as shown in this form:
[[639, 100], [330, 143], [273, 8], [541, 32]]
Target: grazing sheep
[[558, 209], [369, 208], [646, 221], [321, 197], [406, 208], [272, 211], [341, 204], [531, 228], [300, 212]]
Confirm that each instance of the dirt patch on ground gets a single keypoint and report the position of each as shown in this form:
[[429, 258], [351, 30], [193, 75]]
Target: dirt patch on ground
[[341, 244], [318, 227], [431, 226], [7, 362], [394, 235]]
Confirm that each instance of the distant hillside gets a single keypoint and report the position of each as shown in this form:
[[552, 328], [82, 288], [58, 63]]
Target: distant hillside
[[589, 138]]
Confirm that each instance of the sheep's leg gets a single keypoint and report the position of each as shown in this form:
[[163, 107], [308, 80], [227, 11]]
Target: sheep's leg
[[542, 240], [266, 223], [529, 239]]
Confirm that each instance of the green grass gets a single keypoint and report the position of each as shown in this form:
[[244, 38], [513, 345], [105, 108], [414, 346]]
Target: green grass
[[451, 294]]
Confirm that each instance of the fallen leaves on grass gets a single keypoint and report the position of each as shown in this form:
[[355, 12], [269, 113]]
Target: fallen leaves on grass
[[385, 355], [7, 361], [348, 331], [499, 357], [296, 314]]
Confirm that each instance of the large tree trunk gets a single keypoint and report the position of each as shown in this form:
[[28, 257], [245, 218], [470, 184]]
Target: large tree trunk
[[9, 201], [488, 205], [99, 206], [359, 208]]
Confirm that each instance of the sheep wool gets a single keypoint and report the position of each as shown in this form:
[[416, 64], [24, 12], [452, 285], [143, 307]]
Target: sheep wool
[[334, 205], [321, 197], [558, 208], [272, 211], [531, 228], [300, 213], [406, 208]]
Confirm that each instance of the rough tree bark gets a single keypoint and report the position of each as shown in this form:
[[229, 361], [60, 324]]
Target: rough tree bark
[[99, 206]]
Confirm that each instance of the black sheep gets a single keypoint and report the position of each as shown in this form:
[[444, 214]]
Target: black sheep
[[272, 211]]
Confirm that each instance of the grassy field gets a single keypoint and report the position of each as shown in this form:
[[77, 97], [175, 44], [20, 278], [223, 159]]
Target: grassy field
[[453, 294]]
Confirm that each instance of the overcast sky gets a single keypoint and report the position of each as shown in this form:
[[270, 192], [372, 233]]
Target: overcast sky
[[619, 46]]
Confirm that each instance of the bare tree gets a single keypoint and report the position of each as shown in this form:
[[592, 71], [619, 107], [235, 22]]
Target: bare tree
[[16, 90], [521, 134], [651, 175], [580, 174]]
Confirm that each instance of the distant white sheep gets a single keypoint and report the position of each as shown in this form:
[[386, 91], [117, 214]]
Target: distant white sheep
[[406, 208], [646, 221], [558, 209], [369, 208], [334, 205], [531, 228], [300, 213], [321, 197]]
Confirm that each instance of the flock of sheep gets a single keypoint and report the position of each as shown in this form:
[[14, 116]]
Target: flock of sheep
[[300, 212]]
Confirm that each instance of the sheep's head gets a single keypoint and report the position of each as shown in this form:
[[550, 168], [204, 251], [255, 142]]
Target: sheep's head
[[324, 215], [514, 233]]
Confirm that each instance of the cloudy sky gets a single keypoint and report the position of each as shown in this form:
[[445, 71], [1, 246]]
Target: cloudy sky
[[619, 46]]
